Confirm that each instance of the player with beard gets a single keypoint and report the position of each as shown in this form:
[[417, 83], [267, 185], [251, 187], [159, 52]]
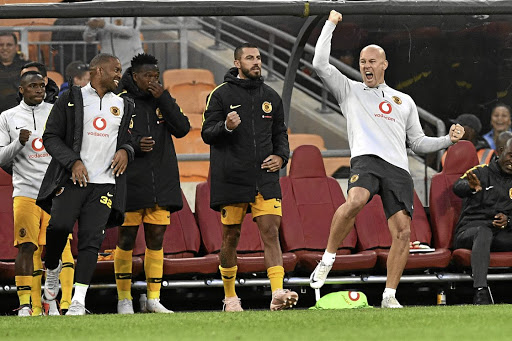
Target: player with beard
[[87, 135], [244, 125]]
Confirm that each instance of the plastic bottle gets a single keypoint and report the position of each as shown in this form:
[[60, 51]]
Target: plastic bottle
[[142, 303], [441, 297]]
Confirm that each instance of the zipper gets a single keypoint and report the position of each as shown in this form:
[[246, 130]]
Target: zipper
[[34, 119], [152, 172], [254, 137]]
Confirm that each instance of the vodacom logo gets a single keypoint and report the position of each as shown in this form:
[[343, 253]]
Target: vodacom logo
[[385, 107], [99, 123], [37, 144]]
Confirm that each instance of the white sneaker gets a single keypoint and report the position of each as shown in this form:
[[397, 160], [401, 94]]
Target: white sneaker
[[76, 308], [24, 311], [319, 275], [390, 302], [51, 284], [50, 307], [153, 305], [125, 307]]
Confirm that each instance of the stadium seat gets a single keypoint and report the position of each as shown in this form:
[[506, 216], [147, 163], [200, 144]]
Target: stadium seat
[[373, 234], [173, 77], [192, 143], [181, 246], [310, 199], [191, 97], [56, 77], [250, 247], [7, 252]]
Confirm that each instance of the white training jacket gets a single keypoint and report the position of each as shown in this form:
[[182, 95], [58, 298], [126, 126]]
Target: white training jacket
[[29, 162], [379, 120]]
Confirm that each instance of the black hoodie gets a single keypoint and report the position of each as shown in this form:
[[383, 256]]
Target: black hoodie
[[153, 177], [236, 157]]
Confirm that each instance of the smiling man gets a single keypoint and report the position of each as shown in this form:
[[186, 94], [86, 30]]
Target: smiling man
[[87, 135], [380, 121], [10, 64]]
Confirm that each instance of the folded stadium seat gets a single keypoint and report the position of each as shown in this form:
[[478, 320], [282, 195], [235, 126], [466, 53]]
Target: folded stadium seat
[[173, 77], [373, 234], [181, 245], [7, 252], [310, 199], [57, 77], [445, 206], [192, 143], [250, 248]]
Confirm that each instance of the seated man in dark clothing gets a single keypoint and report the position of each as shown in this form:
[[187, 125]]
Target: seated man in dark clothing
[[484, 223]]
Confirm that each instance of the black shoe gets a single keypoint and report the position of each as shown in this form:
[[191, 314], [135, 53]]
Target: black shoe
[[482, 296]]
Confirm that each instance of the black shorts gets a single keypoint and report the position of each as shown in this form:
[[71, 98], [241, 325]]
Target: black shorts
[[392, 183]]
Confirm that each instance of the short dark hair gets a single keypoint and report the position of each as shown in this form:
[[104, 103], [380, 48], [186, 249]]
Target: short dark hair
[[100, 59], [142, 59], [76, 69], [5, 34], [41, 67], [29, 74], [239, 49]]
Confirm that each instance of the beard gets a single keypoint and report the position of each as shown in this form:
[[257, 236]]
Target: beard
[[255, 75]]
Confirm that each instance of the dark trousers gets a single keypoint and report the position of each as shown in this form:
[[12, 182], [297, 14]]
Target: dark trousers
[[89, 205], [481, 240]]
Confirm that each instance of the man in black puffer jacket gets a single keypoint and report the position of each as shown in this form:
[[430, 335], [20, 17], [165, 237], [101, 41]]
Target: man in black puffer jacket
[[153, 179], [244, 126]]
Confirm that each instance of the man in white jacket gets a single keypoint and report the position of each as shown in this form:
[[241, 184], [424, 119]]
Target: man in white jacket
[[380, 121]]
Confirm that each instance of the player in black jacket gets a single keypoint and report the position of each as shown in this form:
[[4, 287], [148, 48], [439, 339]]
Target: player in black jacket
[[484, 223], [153, 179], [244, 126]]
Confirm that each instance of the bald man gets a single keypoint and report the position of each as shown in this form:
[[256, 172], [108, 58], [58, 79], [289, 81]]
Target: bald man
[[380, 120]]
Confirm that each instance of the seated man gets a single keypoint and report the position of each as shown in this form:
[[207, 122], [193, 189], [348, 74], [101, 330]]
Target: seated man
[[484, 221]]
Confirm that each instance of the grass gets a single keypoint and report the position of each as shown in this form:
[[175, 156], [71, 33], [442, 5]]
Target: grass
[[455, 323]]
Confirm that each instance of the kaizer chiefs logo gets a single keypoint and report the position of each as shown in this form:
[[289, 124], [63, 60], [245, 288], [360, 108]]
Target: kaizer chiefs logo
[[510, 193], [115, 111], [385, 107], [23, 232], [37, 144], [99, 123], [224, 213], [397, 100], [266, 107], [354, 178], [159, 113], [59, 192]]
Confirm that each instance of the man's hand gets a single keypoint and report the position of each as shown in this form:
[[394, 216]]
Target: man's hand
[[156, 89], [335, 17], [500, 220], [456, 132], [233, 120], [79, 173], [96, 23], [119, 162], [147, 143], [474, 182], [24, 136], [272, 163]]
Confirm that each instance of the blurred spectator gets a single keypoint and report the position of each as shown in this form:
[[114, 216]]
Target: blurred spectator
[[500, 121], [52, 90], [501, 141], [472, 127], [77, 73], [118, 36], [10, 64]]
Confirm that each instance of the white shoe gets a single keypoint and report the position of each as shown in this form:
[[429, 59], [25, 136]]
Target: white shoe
[[25, 311], [125, 307], [153, 305], [319, 275], [76, 308], [50, 307], [51, 284], [390, 302]]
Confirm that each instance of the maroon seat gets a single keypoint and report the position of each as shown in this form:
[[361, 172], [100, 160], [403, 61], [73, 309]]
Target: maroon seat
[[445, 206], [373, 234], [7, 252], [310, 199], [181, 246], [250, 248]]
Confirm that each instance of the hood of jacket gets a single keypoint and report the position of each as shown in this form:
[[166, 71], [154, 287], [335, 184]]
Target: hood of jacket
[[128, 84], [232, 77]]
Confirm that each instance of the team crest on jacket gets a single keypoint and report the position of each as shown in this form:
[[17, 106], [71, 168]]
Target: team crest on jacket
[[266, 107], [510, 193], [397, 100], [23, 232], [115, 111], [59, 192], [159, 114], [354, 178]]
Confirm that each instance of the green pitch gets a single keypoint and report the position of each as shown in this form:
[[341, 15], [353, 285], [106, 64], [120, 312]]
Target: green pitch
[[454, 323]]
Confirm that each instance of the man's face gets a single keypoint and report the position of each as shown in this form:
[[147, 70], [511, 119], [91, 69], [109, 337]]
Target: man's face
[[111, 74], [249, 64], [7, 49], [33, 89], [505, 160], [372, 65], [500, 119], [146, 75], [82, 81]]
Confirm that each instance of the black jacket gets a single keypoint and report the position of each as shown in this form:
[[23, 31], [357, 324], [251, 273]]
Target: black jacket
[[153, 177], [495, 196], [236, 157], [9, 82], [62, 138]]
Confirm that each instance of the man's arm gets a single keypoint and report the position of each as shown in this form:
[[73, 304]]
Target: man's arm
[[280, 136], [215, 128], [174, 118], [468, 184], [8, 149]]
